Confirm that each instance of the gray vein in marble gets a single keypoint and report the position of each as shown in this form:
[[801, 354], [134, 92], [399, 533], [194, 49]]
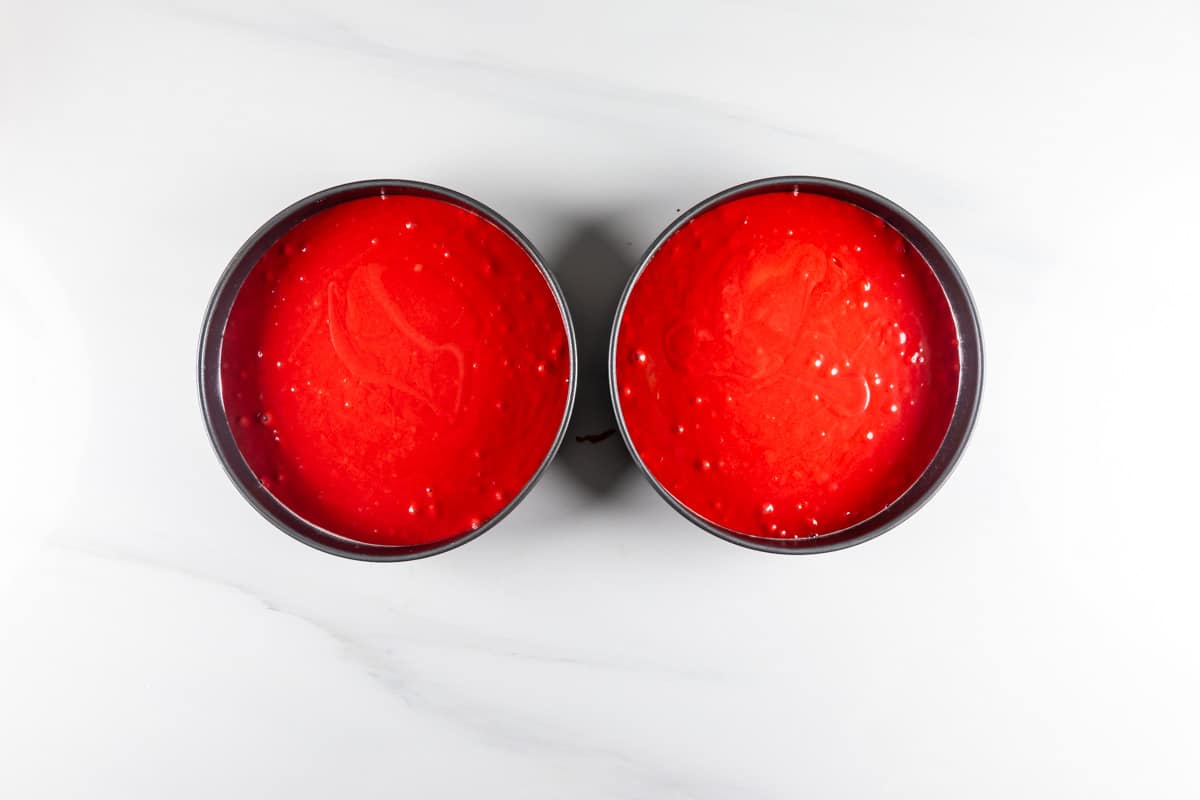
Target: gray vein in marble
[[337, 34], [496, 726], [472, 640]]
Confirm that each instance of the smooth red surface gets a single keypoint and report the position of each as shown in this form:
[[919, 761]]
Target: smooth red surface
[[395, 369], [787, 365]]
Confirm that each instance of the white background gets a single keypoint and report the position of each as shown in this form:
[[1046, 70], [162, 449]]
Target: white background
[[1030, 633]]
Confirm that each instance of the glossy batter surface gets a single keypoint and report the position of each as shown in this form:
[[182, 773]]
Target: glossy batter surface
[[395, 369], [787, 365]]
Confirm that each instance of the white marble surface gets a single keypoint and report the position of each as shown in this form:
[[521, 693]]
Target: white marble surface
[[1031, 633]]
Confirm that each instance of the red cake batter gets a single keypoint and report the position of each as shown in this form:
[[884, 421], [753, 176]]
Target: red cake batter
[[787, 365], [395, 369]]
